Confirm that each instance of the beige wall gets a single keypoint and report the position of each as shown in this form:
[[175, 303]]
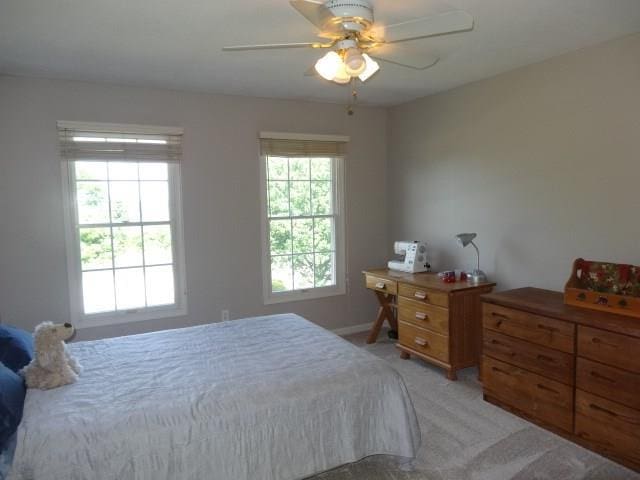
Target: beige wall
[[220, 197], [543, 162]]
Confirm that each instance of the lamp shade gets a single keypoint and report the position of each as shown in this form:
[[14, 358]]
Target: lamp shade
[[465, 239]]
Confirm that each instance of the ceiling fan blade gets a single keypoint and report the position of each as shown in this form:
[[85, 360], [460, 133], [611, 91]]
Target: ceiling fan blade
[[404, 63], [314, 11], [431, 26], [396, 56], [311, 72], [272, 46]]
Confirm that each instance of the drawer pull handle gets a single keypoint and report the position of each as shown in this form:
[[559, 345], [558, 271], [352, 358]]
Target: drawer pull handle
[[421, 316], [545, 358], [381, 285], [598, 408], [548, 328], [499, 323], [421, 341], [544, 387], [499, 370], [597, 341], [601, 377], [420, 295]]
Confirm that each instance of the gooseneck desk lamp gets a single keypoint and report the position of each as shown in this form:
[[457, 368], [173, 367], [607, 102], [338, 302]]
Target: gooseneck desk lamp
[[464, 239]]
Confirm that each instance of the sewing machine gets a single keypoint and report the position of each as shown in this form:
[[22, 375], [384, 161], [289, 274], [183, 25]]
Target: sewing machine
[[415, 257]]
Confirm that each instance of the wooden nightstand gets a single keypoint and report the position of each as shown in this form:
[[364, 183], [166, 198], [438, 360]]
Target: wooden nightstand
[[436, 321]]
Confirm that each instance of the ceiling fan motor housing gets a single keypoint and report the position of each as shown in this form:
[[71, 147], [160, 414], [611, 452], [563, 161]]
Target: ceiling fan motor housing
[[354, 15]]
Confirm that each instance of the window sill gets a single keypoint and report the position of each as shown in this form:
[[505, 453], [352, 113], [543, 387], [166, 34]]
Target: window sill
[[301, 295], [117, 318]]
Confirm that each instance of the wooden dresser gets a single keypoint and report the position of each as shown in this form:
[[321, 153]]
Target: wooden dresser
[[438, 322], [571, 370]]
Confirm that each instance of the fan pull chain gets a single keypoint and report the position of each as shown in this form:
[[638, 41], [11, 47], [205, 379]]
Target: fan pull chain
[[353, 100]]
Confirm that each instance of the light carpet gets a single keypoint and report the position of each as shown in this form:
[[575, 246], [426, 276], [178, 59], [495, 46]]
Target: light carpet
[[466, 438]]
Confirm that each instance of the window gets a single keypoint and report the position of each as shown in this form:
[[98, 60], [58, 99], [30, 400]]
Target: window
[[124, 236], [303, 220]]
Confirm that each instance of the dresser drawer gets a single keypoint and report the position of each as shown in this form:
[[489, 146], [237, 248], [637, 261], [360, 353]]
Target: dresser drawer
[[609, 348], [527, 326], [423, 315], [381, 284], [609, 425], [532, 394], [544, 361], [609, 382], [425, 295], [424, 341]]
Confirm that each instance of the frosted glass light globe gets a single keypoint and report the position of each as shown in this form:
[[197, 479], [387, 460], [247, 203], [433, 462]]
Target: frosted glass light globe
[[328, 66], [354, 62], [342, 76], [371, 68]]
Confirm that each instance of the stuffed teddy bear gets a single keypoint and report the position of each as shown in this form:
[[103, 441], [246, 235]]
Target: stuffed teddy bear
[[52, 366]]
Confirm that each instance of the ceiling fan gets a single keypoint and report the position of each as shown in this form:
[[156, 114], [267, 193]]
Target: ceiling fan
[[355, 42]]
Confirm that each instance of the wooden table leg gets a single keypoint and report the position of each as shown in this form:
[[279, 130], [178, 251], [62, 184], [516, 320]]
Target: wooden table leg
[[377, 325], [385, 301], [384, 313]]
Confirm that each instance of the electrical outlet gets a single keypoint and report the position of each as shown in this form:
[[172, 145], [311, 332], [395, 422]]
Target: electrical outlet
[[225, 315]]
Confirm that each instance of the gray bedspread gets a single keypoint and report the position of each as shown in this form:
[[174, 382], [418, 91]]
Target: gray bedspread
[[265, 398]]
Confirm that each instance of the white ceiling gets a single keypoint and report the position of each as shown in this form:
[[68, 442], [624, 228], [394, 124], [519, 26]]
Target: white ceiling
[[176, 43]]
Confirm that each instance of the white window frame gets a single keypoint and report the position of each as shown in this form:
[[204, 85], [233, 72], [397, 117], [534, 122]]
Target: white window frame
[[74, 268], [338, 177]]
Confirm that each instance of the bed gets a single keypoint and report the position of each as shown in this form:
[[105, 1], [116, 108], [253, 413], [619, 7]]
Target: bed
[[272, 397]]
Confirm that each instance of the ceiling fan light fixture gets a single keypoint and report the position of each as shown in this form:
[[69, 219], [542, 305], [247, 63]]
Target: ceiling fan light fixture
[[371, 67], [354, 62], [349, 30], [329, 65]]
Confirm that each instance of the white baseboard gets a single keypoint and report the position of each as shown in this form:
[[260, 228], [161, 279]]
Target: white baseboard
[[363, 327]]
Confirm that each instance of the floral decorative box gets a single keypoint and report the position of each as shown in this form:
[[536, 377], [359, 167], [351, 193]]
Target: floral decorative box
[[610, 287]]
